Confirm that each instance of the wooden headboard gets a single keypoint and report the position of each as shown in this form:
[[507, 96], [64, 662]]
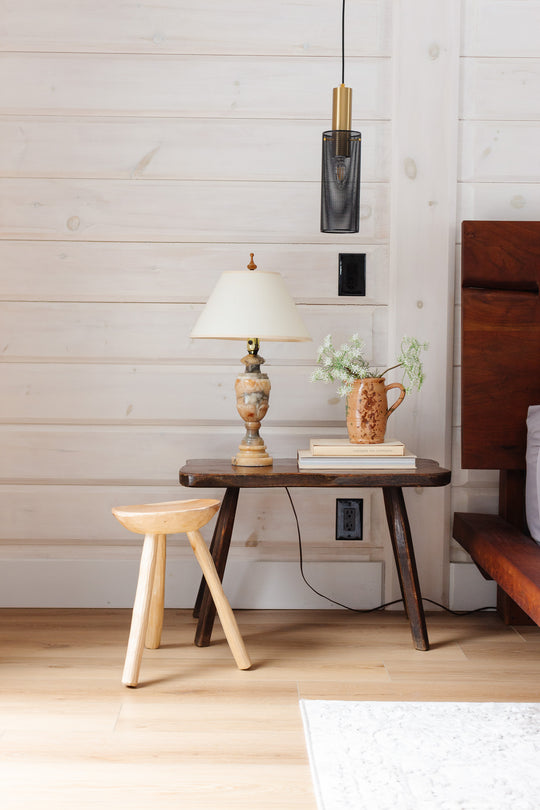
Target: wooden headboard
[[500, 352]]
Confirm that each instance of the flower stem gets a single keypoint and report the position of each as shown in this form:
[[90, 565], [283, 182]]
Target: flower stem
[[390, 369]]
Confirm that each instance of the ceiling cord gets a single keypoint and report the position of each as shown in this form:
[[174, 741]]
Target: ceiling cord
[[343, 43], [366, 610]]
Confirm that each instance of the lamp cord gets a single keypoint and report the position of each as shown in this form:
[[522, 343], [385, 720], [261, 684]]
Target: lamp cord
[[343, 43], [365, 610]]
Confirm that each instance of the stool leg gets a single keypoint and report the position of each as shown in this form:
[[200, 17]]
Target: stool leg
[[228, 622], [141, 608], [155, 619]]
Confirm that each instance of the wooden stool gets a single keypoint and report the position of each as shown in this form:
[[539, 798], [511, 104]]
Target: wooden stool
[[156, 521]]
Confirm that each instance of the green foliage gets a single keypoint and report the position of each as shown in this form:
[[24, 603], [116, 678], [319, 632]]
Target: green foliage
[[348, 363]]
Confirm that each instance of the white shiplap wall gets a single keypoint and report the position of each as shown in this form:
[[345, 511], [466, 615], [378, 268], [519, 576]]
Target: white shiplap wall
[[146, 148]]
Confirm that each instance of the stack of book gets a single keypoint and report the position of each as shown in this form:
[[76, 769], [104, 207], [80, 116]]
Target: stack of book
[[340, 454]]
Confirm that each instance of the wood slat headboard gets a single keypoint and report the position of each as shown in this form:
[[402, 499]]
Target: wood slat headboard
[[500, 352]]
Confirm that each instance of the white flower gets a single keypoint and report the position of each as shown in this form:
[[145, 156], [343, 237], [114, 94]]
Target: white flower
[[348, 363]]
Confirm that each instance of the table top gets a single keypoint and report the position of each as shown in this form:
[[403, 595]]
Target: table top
[[284, 472]]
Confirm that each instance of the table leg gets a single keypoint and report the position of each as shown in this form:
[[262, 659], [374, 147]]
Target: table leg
[[390, 519], [219, 549], [400, 534]]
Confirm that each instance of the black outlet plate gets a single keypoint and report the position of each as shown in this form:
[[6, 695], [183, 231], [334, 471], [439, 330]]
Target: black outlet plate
[[352, 274], [349, 518]]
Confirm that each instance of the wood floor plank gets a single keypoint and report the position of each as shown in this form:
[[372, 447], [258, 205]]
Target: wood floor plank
[[42, 715], [185, 744], [515, 691], [505, 671], [158, 786], [200, 734]]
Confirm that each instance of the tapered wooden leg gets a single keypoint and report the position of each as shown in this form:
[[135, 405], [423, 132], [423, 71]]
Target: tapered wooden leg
[[226, 616], [390, 519], [219, 550], [157, 602], [400, 532], [141, 609]]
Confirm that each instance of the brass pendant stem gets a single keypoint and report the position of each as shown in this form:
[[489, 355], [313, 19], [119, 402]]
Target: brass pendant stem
[[341, 108]]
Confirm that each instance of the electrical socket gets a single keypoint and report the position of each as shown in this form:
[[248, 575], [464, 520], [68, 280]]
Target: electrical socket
[[349, 518]]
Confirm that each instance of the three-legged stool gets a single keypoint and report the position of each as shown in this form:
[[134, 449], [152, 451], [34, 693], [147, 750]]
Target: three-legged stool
[[156, 521]]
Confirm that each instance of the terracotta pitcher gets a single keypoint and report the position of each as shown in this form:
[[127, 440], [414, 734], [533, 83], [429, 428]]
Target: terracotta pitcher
[[368, 411]]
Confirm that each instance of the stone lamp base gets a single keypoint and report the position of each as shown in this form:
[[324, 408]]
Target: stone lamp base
[[252, 390]]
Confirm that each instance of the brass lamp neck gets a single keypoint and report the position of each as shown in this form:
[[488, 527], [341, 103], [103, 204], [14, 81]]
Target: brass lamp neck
[[253, 345], [341, 108]]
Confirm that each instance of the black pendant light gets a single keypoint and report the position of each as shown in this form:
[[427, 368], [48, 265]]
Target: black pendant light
[[341, 146]]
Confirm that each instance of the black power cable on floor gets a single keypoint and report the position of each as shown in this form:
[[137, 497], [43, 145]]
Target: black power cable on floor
[[366, 610]]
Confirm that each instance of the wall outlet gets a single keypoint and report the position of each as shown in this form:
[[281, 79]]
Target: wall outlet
[[349, 518]]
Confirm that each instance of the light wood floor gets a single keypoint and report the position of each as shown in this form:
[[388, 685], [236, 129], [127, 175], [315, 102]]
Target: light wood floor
[[198, 733]]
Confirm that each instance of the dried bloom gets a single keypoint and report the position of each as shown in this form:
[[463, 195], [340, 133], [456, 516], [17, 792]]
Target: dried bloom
[[347, 364]]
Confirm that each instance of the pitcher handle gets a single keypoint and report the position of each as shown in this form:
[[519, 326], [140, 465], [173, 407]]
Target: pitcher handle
[[399, 400]]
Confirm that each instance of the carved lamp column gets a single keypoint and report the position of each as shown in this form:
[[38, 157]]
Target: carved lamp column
[[252, 306]]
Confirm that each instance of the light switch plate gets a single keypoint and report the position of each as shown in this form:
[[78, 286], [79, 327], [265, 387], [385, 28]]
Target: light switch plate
[[352, 274]]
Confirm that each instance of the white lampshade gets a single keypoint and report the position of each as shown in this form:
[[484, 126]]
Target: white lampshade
[[250, 304]]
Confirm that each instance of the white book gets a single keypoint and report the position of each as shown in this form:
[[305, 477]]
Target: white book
[[307, 461], [343, 447]]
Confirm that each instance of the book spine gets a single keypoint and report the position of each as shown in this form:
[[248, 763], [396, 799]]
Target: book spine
[[321, 451], [339, 464]]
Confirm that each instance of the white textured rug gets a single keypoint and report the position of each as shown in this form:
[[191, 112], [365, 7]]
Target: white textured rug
[[423, 756]]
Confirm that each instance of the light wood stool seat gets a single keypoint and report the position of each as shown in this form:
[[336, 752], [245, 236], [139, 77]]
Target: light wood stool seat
[[156, 521]]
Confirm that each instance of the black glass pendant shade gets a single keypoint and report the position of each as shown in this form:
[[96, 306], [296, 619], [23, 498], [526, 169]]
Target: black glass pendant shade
[[340, 181]]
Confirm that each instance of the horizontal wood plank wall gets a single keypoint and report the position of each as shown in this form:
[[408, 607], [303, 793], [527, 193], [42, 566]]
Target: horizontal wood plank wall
[[499, 168], [423, 212], [303, 28], [145, 149]]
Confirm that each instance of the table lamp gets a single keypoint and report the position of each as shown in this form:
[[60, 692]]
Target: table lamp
[[251, 306]]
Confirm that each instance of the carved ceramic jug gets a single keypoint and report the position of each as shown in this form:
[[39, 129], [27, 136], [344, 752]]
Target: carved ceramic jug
[[368, 411]]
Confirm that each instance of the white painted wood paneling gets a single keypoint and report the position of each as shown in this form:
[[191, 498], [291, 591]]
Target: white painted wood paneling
[[147, 147], [513, 201], [476, 498], [106, 582], [159, 332], [81, 454], [494, 89], [456, 397], [265, 528], [302, 28], [353, 585], [202, 86], [178, 148], [177, 211], [457, 336], [468, 588], [422, 248], [501, 28], [499, 151], [167, 272], [72, 393]]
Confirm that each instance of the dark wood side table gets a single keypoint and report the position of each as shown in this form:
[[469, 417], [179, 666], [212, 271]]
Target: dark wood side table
[[285, 473]]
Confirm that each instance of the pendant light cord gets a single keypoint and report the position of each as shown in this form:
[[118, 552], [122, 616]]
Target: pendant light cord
[[343, 43]]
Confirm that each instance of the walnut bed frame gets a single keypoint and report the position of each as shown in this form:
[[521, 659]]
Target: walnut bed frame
[[500, 379]]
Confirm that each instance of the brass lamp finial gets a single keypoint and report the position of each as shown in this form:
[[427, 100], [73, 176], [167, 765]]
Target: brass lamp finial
[[251, 265]]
